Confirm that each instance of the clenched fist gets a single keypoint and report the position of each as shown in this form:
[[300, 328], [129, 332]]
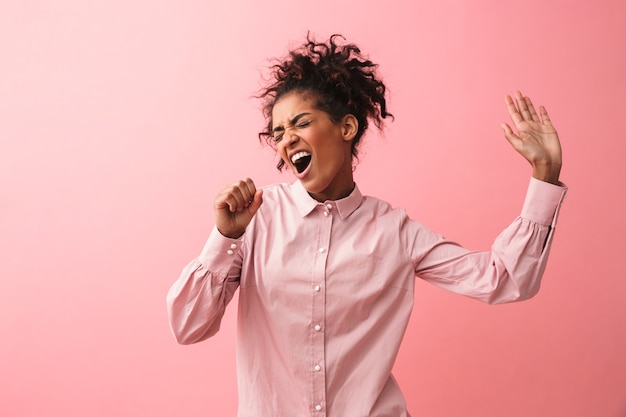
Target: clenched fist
[[235, 207]]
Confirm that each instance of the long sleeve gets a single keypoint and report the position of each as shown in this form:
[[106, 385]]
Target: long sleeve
[[513, 269], [197, 300], [326, 292]]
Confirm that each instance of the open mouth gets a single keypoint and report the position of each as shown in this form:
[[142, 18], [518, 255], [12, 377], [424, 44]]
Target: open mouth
[[301, 161]]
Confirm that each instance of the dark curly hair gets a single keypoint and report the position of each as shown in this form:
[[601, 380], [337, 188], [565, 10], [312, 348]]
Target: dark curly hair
[[340, 78]]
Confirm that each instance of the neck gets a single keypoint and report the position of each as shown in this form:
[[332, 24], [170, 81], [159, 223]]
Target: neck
[[336, 191]]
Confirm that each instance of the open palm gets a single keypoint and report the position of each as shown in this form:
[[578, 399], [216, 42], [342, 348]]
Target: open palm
[[536, 139]]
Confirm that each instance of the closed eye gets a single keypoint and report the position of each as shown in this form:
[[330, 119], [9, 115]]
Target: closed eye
[[278, 137], [297, 122]]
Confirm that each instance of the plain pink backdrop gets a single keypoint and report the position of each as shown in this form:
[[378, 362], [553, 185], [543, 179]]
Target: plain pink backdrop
[[120, 120]]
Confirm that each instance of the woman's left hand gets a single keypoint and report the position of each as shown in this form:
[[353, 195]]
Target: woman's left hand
[[536, 138]]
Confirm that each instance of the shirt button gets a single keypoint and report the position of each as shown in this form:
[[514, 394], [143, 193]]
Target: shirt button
[[322, 250], [329, 206], [317, 288], [317, 368], [229, 251], [318, 327], [325, 214], [318, 407], [233, 246]]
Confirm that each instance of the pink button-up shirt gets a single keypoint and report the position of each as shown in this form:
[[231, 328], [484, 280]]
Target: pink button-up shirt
[[326, 291]]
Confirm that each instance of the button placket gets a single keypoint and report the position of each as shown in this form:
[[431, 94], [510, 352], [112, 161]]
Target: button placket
[[318, 316]]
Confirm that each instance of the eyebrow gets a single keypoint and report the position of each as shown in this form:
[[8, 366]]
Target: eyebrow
[[291, 122]]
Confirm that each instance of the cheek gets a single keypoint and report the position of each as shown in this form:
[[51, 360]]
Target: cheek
[[281, 152]]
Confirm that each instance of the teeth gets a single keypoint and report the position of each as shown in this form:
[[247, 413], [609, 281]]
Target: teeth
[[299, 155]]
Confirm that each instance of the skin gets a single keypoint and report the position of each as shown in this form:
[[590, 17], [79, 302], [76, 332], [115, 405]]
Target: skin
[[300, 126], [536, 140]]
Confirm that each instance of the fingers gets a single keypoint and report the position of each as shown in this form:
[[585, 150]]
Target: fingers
[[522, 106], [544, 116], [513, 112], [235, 206], [521, 109], [237, 196], [531, 109]]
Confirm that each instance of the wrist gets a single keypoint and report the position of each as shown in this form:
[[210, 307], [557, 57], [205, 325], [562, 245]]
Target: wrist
[[230, 234], [547, 172]]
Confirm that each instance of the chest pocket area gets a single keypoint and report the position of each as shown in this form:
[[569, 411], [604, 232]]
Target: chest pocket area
[[370, 274]]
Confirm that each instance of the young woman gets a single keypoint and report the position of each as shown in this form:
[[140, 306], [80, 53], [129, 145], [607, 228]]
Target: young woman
[[326, 274]]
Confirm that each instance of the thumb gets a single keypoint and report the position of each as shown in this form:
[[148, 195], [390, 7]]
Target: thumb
[[256, 202], [510, 136]]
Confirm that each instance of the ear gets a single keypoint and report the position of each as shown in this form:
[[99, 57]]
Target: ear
[[349, 127]]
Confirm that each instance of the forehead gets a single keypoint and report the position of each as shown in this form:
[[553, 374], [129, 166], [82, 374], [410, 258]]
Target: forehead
[[292, 104]]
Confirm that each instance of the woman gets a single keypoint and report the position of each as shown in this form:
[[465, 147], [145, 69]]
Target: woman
[[325, 274]]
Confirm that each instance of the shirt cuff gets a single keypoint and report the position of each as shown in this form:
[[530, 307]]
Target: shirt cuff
[[543, 201], [219, 248]]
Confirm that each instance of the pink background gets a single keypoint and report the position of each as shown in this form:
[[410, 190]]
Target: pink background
[[120, 120]]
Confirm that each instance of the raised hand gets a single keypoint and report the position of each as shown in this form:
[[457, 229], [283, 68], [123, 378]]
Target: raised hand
[[235, 206], [536, 138]]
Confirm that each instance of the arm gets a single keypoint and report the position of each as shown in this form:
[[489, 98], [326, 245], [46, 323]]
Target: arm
[[513, 269], [197, 300]]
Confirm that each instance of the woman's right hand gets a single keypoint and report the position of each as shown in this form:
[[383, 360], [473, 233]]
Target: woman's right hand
[[235, 206]]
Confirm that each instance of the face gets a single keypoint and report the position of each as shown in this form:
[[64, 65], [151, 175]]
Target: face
[[317, 150]]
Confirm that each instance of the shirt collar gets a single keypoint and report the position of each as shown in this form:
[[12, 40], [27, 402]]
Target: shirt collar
[[345, 206]]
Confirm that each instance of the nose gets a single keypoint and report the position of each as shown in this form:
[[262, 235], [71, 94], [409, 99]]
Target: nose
[[290, 136]]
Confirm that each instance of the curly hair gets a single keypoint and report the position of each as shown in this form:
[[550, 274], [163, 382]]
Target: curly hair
[[339, 77]]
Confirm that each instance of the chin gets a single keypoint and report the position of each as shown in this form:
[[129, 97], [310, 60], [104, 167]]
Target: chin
[[314, 187]]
